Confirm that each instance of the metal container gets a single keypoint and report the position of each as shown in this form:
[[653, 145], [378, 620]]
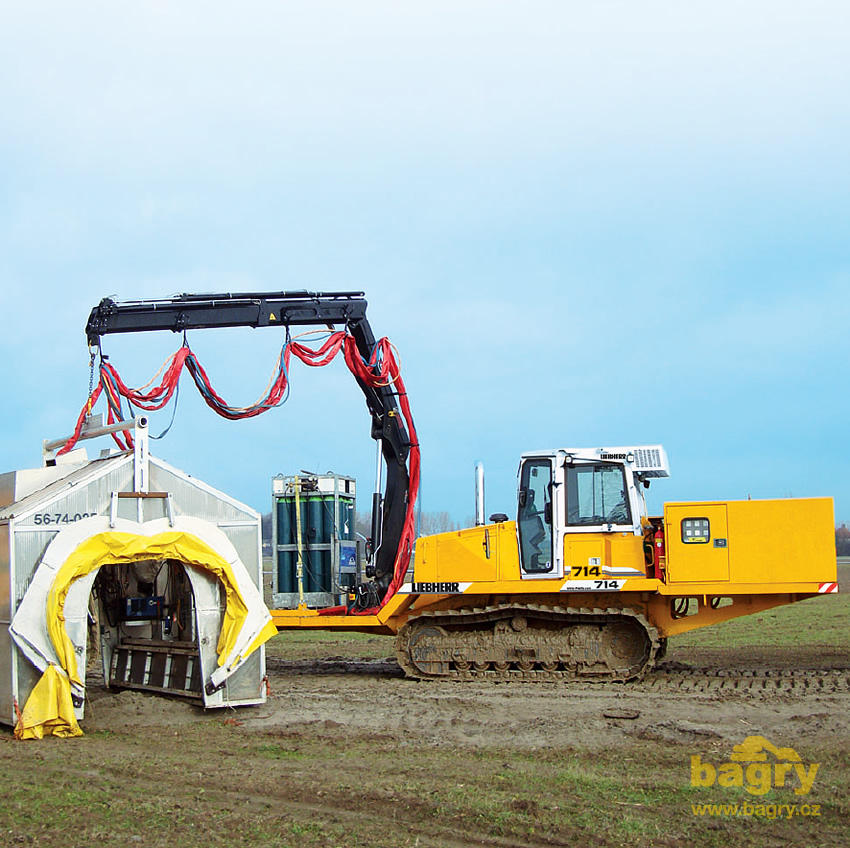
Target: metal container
[[61, 502], [314, 540]]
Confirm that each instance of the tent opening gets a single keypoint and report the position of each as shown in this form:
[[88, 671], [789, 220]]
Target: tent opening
[[145, 625]]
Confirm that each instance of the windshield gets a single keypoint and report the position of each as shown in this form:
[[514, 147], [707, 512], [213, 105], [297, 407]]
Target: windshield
[[596, 494]]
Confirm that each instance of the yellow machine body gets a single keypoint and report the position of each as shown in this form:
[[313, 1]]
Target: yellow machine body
[[755, 555], [584, 584]]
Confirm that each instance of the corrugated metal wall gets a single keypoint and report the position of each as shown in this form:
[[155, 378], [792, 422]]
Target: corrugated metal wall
[[239, 523]]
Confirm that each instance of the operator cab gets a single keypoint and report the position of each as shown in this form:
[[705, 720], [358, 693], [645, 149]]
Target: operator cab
[[580, 490]]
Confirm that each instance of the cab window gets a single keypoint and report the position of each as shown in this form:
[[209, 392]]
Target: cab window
[[596, 494], [535, 516]]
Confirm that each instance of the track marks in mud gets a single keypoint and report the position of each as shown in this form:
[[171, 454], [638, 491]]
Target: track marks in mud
[[667, 677]]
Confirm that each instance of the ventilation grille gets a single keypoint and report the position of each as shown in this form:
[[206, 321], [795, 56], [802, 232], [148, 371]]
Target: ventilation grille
[[648, 459]]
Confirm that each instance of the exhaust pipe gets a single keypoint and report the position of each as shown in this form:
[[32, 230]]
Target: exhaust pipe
[[479, 494]]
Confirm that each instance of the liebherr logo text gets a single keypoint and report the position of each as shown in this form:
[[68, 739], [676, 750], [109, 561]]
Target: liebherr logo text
[[613, 456], [423, 588], [436, 588]]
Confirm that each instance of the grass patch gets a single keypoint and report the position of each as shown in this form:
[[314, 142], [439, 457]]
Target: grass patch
[[278, 752], [221, 788], [815, 621]]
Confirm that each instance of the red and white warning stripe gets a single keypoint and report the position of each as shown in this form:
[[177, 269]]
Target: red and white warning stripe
[[827, 588]]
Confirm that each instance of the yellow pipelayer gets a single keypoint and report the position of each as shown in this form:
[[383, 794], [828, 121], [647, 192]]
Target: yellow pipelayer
[[584, 583]]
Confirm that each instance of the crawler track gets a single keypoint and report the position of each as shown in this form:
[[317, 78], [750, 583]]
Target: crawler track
[[528, 642]]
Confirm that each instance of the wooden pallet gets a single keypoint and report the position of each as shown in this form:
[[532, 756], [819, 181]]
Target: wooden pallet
[[173, 668]]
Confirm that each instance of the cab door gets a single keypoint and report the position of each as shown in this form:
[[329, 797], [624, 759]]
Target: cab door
[[537, 503]]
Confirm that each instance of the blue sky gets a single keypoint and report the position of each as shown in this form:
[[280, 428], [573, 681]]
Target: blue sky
[[581, 224]]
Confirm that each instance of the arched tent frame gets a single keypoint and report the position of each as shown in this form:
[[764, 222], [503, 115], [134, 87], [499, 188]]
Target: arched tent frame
[[50, 625]]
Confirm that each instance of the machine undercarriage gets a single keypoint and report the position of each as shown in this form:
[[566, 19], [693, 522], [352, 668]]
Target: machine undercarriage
[[528, 641]]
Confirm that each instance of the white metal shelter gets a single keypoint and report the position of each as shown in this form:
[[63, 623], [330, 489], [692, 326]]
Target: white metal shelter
[[161, 569]]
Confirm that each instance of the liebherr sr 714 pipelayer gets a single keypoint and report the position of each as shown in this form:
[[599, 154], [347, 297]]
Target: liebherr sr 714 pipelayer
[[583, 584]]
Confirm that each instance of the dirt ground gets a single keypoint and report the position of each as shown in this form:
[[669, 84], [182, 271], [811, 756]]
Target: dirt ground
[[367, 697], [348, 752]]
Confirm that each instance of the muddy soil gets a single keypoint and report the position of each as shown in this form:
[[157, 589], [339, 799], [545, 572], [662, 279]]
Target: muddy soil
[[347, 752], [714, 695]]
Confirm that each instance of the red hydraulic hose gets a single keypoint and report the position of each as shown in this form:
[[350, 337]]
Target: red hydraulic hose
[[381, 369]]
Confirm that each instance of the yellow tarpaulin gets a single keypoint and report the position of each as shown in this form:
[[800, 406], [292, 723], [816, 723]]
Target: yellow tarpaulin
[[111, 548], [48, 711]]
